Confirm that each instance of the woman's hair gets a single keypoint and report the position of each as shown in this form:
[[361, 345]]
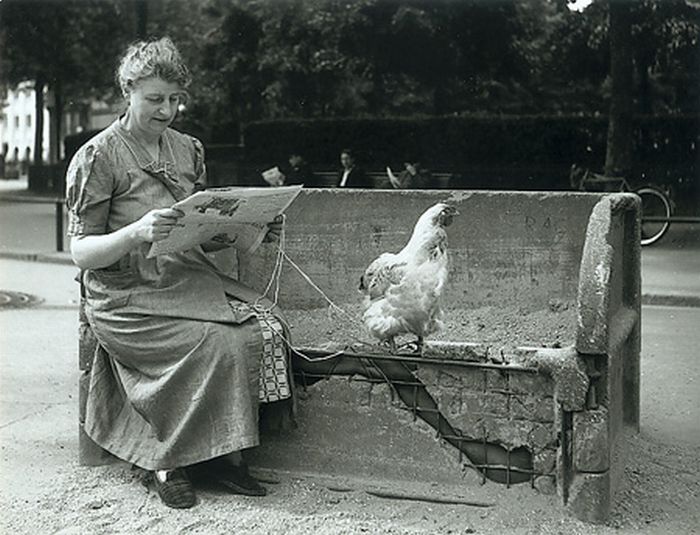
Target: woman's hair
[[144, 59]]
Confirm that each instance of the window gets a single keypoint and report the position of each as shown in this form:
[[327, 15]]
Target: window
[[28, 121], [16, 121]]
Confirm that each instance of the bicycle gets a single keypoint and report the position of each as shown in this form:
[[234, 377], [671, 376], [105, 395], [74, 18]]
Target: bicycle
[[657, 206]]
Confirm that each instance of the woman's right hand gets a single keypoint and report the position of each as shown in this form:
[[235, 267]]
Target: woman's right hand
[[156, 225]]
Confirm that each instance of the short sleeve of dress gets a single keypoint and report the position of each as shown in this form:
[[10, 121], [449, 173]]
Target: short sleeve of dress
[[89, 187], [200, 168]]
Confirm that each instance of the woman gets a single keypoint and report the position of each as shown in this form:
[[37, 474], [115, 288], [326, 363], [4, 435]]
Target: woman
[[178, 382]]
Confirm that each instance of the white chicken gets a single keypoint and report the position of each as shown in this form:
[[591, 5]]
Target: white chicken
[[403, 290]]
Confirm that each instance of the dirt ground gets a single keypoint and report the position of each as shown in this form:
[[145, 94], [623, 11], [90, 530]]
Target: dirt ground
[[660, 491], [554, 326], [658, 497]]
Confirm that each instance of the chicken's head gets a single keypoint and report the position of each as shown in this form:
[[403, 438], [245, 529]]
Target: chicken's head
[[442, 214]]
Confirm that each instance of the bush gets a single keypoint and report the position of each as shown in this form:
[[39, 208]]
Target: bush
[[439, 142], [451, 143]]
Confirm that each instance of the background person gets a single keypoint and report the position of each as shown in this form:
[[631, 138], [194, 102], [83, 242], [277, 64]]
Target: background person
[[351, 175], [298, 171], [179, 381], [414, 176]]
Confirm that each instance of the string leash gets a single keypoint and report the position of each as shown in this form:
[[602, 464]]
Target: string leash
[[274, 282]]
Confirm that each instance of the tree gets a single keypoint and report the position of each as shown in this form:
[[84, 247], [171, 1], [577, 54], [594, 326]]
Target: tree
[[53, 44], [618, 156]]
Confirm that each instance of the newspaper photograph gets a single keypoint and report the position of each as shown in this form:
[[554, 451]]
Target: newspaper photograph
[[236, 216]]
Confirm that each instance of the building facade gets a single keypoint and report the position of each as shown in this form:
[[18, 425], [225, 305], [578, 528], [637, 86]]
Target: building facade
[[18, 124]]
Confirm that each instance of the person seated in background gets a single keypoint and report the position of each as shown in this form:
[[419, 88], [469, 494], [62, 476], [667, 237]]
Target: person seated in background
[[298, 171], [414, 176], [351, 175]]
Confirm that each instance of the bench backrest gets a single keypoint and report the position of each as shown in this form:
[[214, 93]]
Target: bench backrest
[[506, 247]]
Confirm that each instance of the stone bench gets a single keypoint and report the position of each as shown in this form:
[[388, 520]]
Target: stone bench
[[476, 417]]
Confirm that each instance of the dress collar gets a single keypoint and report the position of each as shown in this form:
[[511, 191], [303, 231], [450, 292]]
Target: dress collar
[[164, 169]]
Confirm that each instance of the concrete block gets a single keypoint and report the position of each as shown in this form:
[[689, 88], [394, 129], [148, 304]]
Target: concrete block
[[546, 484], [525, 383], [497, 379], [452, 378], [542, 435], [493, 403], [545, 461], [610, 270], [536, 407], [591, 441], [589, 497], [455, 350], [514, 433], [565, 367]]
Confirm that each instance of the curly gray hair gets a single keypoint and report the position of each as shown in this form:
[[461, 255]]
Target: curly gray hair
[[144, 59]]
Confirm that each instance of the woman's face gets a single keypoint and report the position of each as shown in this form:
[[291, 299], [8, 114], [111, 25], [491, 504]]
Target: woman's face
[[153, 104]]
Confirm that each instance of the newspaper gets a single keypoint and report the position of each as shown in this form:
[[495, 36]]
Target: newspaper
[[236, 216], [274, 176]]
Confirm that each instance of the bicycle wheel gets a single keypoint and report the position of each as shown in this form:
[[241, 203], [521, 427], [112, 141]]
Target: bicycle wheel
[[654, 204]]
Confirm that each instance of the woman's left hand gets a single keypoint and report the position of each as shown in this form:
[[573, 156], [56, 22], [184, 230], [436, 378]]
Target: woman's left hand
[[274, 229]]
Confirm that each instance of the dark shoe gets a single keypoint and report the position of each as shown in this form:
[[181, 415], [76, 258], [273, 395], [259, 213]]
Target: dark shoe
[[236, 479], [176, 491]]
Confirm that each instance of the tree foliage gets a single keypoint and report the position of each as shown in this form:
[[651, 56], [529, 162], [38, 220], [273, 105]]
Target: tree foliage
[[264, 59], [324, 58], [68, 46]]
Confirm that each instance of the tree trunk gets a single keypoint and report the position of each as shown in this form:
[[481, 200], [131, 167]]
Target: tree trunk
[[39, 85], [58, 118], [619, 153]]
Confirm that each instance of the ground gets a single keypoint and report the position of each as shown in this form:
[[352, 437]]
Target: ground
[[660, 495], [44, 490]]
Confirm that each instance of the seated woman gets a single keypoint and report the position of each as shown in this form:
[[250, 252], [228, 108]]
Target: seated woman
[[178, 382]]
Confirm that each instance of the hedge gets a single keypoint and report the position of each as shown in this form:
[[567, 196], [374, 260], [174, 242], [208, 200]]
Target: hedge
[[453, 142], [485, 150]]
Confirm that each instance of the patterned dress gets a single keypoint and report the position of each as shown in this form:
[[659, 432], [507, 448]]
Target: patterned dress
[[186, 351]]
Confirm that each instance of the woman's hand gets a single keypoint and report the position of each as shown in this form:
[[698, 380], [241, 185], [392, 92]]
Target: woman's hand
[[274, 229], [156, 225]]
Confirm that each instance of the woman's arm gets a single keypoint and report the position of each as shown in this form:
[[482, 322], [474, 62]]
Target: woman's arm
[[102, 250]]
